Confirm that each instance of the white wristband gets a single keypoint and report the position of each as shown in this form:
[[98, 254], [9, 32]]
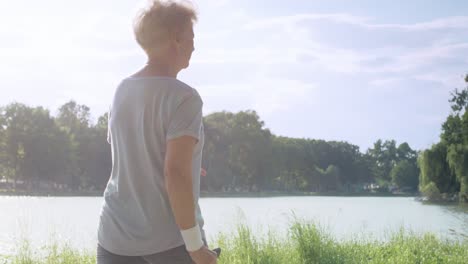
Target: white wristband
[[192, 238]]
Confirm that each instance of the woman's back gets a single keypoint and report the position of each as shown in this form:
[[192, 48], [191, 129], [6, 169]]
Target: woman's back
[[146, 112]]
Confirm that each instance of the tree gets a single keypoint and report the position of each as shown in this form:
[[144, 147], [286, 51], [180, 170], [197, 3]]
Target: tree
[[404, 152], [75, 120], [32, 150], [73, 117], [459, 99], [237, 150], [291, 164], [3, 158], [37, 143], [452, 131], [435, 168], [3, 147], [331, 178], [15, 122], [250, 142], [384, 155], [61, 153], [99, 161], [431, 191], [405, 174], [457, 158], [455, 136]]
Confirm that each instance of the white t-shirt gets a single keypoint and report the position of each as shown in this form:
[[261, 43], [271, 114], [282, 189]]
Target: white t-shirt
[[136, 217]]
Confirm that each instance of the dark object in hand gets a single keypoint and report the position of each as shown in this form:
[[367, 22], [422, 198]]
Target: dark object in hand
[[218, 251]]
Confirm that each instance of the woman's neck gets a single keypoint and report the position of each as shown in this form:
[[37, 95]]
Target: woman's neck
[[157, 68]]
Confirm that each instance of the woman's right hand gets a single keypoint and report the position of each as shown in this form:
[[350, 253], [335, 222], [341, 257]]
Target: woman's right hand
[[204, 256]]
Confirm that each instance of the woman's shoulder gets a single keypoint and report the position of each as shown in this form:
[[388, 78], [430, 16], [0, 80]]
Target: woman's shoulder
[[172, 88], [183, 89]]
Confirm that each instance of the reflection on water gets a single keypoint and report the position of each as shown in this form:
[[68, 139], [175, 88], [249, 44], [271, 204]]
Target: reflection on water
[[460, 213]]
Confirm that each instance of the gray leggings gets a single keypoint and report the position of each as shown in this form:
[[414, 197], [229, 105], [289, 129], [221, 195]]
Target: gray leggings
[[178, 255]]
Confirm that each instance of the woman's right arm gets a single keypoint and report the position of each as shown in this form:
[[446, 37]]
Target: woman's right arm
[[178, 176]]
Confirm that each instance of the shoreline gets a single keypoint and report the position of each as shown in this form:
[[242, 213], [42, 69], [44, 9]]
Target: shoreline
[[268, 194], [205, 194], [261, 194]]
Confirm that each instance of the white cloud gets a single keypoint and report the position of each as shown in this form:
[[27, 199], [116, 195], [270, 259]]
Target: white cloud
[[415, 59], [455, 22], [449, 81], [384, 81], [286, 39], [280, 21], [264, 94]]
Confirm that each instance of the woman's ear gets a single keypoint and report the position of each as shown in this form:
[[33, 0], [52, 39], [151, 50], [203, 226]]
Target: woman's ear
[[177, 39]]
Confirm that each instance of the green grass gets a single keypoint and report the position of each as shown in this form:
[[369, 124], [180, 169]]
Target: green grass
[[53, 253], [304, 243], [309, 243]]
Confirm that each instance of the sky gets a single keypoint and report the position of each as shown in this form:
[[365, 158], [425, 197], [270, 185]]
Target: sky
[[355, 71]]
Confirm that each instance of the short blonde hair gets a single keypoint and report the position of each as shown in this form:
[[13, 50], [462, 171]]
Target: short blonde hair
[[156, 23]]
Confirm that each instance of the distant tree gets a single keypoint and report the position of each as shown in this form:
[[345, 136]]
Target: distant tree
[[75, 120], [332, 178], [74, 117], [405, 174], [459, 99], [404, 152], [15, 119], [435, 168], [99, 161], [37, 143], [452, 131], [384, 155], [252, 144], [455, 136], [3, 157]]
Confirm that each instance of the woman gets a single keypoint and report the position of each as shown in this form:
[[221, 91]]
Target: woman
[[150, 212]]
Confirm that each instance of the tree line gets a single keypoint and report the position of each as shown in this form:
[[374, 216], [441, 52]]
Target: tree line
[[243, 154], [70, 152], [39, 150]]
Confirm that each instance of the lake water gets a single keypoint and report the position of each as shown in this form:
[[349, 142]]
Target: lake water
[[74, 219]]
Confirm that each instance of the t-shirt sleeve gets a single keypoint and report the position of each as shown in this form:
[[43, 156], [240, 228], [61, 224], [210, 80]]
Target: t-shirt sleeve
[[108, 127], [187, 118]]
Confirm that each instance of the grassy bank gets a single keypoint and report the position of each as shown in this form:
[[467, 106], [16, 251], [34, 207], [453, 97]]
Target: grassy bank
[[305, 243]]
